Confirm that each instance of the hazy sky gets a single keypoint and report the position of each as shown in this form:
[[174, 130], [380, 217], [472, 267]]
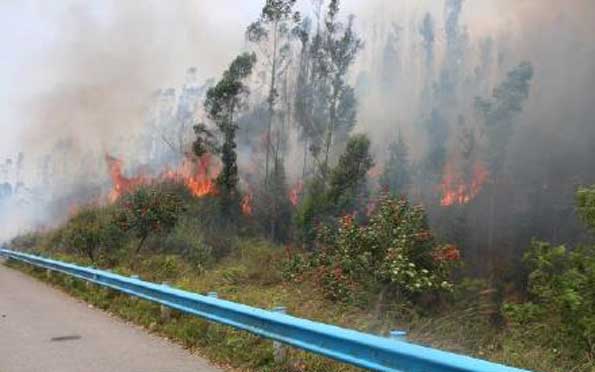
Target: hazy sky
[[89, 51], [38, 36]]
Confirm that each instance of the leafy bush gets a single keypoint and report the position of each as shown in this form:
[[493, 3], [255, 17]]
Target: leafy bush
[[561, 295], [586, 205], [187, 240], [91, 232], [149, 210], [394, 253], [25, 242]]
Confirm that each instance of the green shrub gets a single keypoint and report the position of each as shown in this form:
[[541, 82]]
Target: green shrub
[[561, 297], [395, 253], [25, 242], [586, 205], [187, 240], [149, 210], [91, 232]]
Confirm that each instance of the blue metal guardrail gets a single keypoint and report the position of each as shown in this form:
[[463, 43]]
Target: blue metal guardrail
[[348, 346]]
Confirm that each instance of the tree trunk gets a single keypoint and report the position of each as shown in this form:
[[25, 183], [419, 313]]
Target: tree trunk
[[491, 222], [140, 244], [271, 106], [305, 169], [380, 302]]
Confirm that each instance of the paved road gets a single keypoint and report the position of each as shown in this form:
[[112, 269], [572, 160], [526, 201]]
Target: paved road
[[45, 330]]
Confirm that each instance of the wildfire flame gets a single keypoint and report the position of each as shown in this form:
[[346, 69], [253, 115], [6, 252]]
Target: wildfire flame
[[456, 190], [246, 204], [121, 184], [196, 176], [295, 192]]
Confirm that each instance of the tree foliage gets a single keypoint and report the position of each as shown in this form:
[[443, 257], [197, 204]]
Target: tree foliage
[[147, 211], [586, 205], [348, 182], [499, 112], [346, 192], [91, 232]]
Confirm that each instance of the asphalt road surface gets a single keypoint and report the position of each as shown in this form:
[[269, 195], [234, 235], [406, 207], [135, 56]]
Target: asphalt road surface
[[45, 330]]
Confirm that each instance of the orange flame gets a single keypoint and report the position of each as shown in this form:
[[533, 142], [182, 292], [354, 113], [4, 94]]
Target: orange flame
[[455, 190], [247, 204], [121, 184], [295, 192], [196, 176], [375, 172]]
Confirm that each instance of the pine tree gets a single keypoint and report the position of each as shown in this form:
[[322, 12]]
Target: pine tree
[[498, 116]]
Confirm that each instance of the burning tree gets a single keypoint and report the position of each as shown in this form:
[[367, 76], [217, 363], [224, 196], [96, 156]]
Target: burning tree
[[222, 104]]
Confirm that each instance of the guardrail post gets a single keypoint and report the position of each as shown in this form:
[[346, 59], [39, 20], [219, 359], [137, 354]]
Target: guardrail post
[[165, 311], [398, 335], [134, 298], [88, 284], [48, 274], [279, 350]]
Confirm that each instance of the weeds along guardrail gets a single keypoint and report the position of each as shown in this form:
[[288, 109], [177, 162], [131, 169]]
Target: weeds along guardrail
[[356, 348]]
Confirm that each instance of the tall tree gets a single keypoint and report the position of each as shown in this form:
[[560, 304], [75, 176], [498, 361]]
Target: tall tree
[[341, 49], [346, 192], [426, 30], [396, 175], [427, 33], [271, 33], [453, 66], [222, 104], [499, 115], [391, 61], [326, 106]]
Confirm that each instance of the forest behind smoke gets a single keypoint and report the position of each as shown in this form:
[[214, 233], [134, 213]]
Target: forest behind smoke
[[375, 164], [489, 100]]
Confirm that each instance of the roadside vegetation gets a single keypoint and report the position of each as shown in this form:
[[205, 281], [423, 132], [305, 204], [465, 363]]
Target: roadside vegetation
[[387, 273]]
